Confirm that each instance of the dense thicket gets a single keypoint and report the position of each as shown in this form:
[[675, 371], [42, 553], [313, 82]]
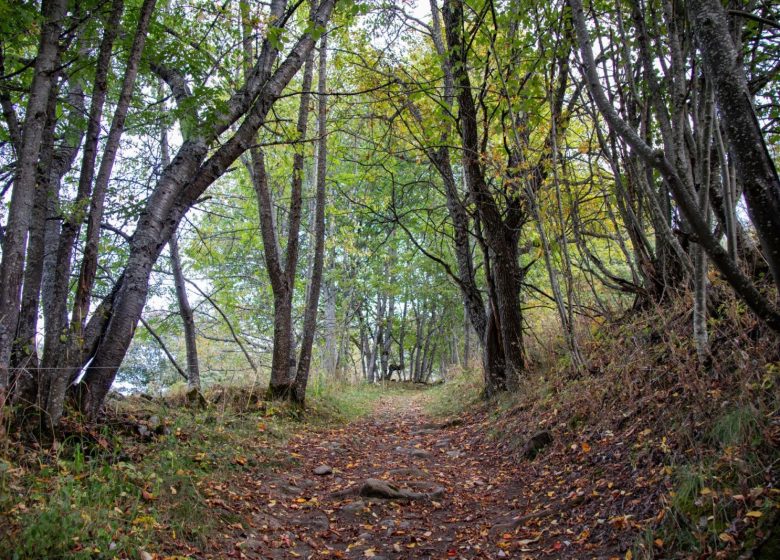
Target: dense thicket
[[377, 189]]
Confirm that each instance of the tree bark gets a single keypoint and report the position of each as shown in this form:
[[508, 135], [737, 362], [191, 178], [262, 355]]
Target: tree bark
[[282, 273], [313, 299], [187, 317], [54, 163], [62, 376], [23, 192], [97, 202], [59, 261]]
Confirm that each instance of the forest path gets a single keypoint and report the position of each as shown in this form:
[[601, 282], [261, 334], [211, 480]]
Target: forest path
[[475, 495]]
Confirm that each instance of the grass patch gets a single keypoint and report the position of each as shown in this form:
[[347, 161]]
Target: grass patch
[[150, 478], [346, 403], [462, 391], [739, 426]]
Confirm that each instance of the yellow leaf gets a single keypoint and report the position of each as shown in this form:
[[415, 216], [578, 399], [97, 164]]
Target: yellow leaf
[[754, 514], [146, 520], [725, 537], [629, 555], [585, 447], [659, 543], [369, 553]]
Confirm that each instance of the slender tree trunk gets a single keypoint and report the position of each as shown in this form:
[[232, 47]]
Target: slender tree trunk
[[401, 341], [23, 192], [332, 346], [387, 340], [187, 318], [312, 303], [376, 343], [89, 261]]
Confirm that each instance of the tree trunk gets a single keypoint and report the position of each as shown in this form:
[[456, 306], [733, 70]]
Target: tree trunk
[[59, 260], [53, 165], [97, 202], [387, 339], [62, 377], [187, 317], [23, 192], [500, 236], [313, 299]]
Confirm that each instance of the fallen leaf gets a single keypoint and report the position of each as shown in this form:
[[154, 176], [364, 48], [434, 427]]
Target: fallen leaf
[[725, 537]]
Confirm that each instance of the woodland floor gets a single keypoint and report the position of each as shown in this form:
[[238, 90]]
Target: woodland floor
[[563, 504]]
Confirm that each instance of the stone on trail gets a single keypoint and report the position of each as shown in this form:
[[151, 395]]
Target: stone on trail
[[375, 488], [354, 507], [316, 521], [418, 453], [322, 470]]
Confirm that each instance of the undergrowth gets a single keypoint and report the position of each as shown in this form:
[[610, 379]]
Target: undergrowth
[[148, 474], [705, 438]]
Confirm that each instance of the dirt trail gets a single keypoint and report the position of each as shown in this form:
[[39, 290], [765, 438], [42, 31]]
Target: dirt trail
[[481, 504]]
